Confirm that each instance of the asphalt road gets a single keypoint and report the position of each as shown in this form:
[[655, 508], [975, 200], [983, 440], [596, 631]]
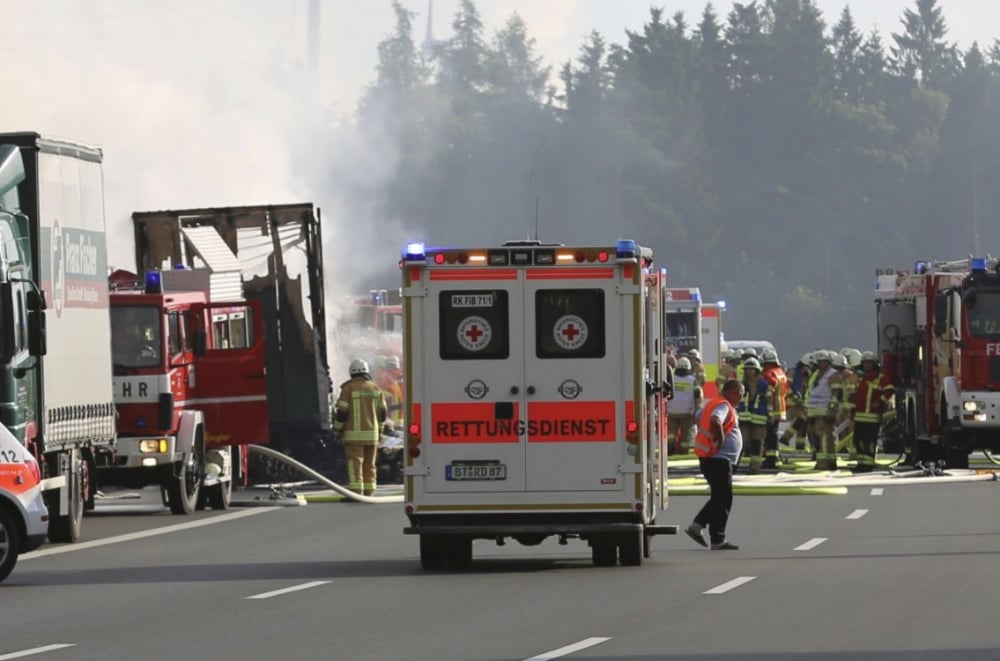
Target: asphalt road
[[900, 572]]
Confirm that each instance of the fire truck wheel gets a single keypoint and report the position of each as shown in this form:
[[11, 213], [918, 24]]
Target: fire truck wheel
[[221, 495], [10, 542], [183, 487], [630, 549], [604, 553], [433, 552], [64, 527]]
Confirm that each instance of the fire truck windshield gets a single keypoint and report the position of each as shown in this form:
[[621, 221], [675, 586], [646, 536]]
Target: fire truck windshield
[[136, 336], [984, 315]]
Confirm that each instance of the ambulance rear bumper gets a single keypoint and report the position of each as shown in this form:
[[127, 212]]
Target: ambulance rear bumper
[[514, 530]]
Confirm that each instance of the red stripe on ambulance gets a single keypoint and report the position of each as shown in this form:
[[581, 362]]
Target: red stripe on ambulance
[[472, 423], [473, 274], [570, 274]]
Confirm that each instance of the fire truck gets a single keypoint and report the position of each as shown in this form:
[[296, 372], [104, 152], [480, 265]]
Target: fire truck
[[939, 343], [189, 384], [690, 323], [536, 382], [371, 327]]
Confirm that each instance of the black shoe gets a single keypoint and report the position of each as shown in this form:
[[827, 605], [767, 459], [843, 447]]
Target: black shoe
[[725, 546], [696, 533], [769, 462]]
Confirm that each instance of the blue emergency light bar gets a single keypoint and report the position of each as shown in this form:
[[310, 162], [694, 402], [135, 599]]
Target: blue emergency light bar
[[154, 282], [625, 249], [979, 265], [722, 305], [414, 252], [695, 296]]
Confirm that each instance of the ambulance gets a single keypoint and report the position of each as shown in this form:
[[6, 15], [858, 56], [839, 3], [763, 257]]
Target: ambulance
[[536, 389]]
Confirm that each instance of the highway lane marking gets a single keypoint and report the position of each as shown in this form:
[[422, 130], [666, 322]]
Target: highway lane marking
[[878, 491], [128, 537], [730, 585], [570, 649], [294, 588], [811, 544], [856, 514], [36, 650]]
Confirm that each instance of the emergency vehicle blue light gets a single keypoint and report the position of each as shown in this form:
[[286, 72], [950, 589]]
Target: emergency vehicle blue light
[[979, 265], [920, 267], [625, 248], [154, 282], [695, 296], [722, 305], [414, 251]]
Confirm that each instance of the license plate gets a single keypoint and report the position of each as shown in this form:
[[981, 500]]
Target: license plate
[[480, 471]]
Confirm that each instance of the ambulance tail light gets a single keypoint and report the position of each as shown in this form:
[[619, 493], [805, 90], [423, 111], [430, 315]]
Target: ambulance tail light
[[413, 440], [33, 468], [632, 432], [602, 256]]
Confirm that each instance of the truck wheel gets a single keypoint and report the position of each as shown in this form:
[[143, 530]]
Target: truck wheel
[[460, 553], [183, 486], [433, 555], [604, 553], [10, 543], [630, 549], [64, 528], [221, 495], [647, 545]]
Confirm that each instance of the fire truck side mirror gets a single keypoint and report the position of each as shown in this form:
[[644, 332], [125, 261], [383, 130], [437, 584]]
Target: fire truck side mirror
[[8, 338], [200, 343]]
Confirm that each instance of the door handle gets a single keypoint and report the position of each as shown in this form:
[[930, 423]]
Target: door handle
[[531, 390], [514, 390]]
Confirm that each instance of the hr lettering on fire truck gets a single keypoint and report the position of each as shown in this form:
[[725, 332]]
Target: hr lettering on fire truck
[[535, 398]]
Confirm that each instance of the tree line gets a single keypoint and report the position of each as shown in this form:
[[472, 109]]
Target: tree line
[[773, 157]]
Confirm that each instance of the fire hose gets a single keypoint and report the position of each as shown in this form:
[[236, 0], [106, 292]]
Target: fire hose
[[319, 477]]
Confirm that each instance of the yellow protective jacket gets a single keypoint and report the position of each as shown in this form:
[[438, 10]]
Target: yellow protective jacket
[[360, 411]]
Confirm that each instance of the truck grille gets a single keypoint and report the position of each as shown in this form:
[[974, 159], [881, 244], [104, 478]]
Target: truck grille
[[994, 369]]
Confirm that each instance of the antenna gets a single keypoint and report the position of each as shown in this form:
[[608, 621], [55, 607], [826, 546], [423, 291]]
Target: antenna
[[536, 218], [430, 45]]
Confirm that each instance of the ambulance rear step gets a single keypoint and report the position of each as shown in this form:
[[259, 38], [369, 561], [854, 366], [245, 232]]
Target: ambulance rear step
[[513, 530]]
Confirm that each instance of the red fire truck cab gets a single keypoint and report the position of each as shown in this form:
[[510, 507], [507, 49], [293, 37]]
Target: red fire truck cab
[[189, 388]]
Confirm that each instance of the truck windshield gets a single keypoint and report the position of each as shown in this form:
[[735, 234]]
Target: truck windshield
[[984, 315], [136, 337]]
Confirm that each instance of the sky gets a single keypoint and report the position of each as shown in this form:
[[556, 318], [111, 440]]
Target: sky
[[208, 102]]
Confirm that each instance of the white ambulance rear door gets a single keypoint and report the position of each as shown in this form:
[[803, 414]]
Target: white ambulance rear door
[[472, 380], [576, 369]]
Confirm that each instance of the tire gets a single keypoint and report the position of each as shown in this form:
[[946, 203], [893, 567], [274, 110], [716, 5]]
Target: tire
[[433, 552], [604, 553], [630, 549], [10, 543], [460, 553], [65, 527], [647, 545], [184, 487], [221, 495]]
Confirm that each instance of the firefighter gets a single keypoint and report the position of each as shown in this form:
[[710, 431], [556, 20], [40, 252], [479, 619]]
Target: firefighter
[[359, 416], [825, 396], [687, 400], [753, 411], [390, 379], [777, 382], [697, 368], [873, 405], [797, 397], [850, 371], [728, 368], [745, 355]]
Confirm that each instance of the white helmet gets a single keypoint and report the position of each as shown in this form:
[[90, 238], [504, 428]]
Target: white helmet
[[748, 353], [839, 360], [694, 353], [391, 362], [770, 356], [683, 364], [751, 363], [821, 355], [358, 367]]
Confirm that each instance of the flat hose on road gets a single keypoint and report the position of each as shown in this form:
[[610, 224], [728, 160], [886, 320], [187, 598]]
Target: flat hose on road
[[319, 477]]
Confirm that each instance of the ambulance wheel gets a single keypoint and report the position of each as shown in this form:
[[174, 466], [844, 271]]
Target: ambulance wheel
[[10, 543], [459, 553], [630, 549], [64, 527], [604, 553], [433, 552]]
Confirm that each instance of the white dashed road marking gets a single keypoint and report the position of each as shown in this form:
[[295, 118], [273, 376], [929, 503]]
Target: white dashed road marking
[[730, 585], [878, 491], [569, 649], [294, 588], [34, 650], [856, 514], [811, 544]]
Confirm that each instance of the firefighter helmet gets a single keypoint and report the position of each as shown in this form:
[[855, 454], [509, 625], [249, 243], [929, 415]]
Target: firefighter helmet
[[358, 367], [751, 363], [695, 354], [839, 361], [821, 355], [749, 352], [869, 355], [391, 363], [683, 364], [770, 356], [732, 354], [808, 359]]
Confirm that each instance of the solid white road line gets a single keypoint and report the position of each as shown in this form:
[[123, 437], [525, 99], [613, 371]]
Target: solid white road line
[[856, 514], [294, 588], [569, 649], [730, 585], [128, 537], [811, 544], [35, 650], [878, 491]]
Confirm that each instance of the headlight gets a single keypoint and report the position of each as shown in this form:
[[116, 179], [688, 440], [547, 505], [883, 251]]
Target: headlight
[[971, 406], [152, 445]]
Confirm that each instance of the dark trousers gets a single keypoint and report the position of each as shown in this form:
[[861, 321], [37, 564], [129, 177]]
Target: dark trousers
[[715, 513]]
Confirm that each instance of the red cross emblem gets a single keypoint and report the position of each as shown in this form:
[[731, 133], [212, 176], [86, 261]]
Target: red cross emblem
[[473, 333], [570, 331]]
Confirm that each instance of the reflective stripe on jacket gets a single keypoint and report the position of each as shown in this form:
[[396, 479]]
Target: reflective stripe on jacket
[[683, 402], [820, 394], [704, 444], [871, 398], [778, 382]]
